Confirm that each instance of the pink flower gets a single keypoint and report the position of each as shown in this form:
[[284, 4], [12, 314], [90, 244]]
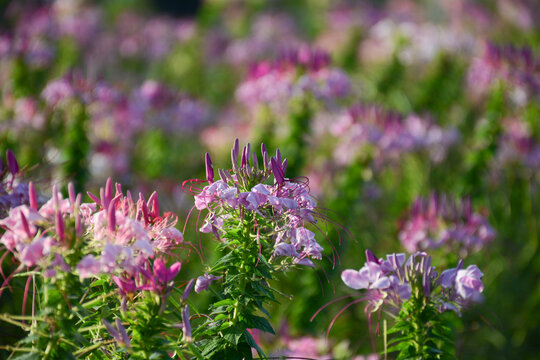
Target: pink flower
[[88, 267]]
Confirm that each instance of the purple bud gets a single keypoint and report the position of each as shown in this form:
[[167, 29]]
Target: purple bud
[[255, 160], [188, 289], [244, 160], [278, 173], [284, 167], [123, 333], [278, 156], [370, 256], [209, 168], [264, 153], [234, 154], [13, 166], [114, 333], [186, 325], [32, 195]]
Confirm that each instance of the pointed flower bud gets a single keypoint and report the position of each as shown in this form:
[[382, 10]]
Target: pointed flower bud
[[234, 154], [32, 195], [12, 163], [153, 204], [71, 192], [209, 168], [264, 153], [111, 214], [278, 173], [60, 226]]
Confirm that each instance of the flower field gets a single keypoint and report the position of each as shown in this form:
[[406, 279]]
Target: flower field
[[306, 179]]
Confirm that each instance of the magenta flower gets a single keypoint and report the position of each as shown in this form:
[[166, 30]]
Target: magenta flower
[[160, 280]]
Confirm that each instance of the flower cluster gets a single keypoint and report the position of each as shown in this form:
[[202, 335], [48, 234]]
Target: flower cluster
[[441, 222], [518, 146], [296, 72], [392, 281], [286, 205], [389, 134], [32, 233], [517, 67], [124, 236]]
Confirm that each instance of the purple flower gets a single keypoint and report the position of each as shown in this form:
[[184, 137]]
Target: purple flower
[[468, 282], [203, 282], [12, 163], [119, 333]]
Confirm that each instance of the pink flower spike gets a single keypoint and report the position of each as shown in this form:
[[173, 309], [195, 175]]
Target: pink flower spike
[[118, 187], [71, 192], [103, 198], [153, 204], [32, 195], [26, 227], [111, 214], [109, 189], [94, 198], [209, 168], [60, 226], [12, 163]]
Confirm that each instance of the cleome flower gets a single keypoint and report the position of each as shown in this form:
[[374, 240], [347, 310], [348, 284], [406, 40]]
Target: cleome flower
[[295, 72], [283, 207], [392, 281], [439, 222], [388, 135], [124, 235]]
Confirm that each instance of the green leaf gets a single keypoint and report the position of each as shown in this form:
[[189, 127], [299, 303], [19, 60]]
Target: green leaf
[[258, 322], [251, 342]]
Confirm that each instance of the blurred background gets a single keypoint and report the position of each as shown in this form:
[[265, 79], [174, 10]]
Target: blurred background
[[380, 104]]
